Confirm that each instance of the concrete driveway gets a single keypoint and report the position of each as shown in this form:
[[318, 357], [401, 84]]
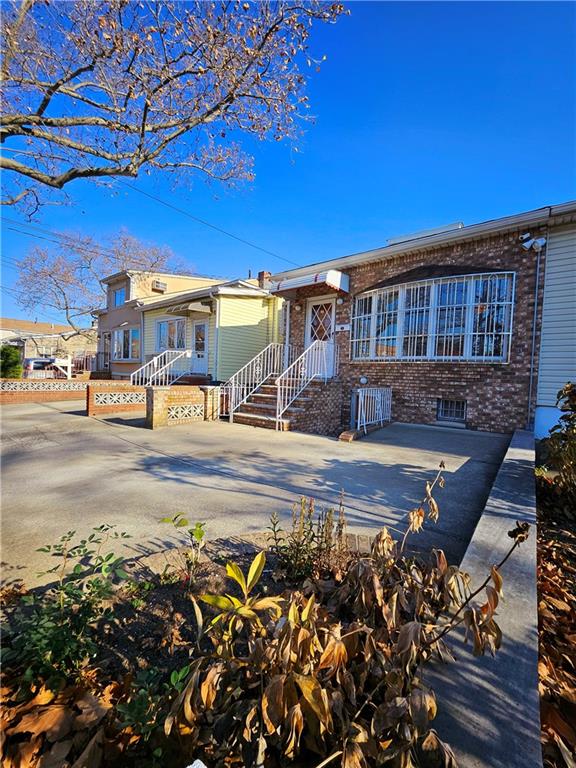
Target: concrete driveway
[[62, 471]]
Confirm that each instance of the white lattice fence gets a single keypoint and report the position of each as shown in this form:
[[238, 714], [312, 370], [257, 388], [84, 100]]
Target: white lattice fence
[[191, 412], [120, 398], [42, 385]]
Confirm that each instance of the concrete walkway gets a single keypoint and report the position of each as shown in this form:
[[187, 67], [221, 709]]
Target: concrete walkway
[[62, 471]]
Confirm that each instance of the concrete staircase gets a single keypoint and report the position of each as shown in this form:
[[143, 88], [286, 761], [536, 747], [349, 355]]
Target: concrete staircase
[[260, 408]]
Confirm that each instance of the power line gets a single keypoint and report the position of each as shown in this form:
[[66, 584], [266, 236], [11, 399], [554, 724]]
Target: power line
[[62, 237], [17, 293], [205, 223]]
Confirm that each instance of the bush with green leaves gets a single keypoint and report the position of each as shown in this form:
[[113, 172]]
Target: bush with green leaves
[[10, 362], [189, 558], [53, 634]]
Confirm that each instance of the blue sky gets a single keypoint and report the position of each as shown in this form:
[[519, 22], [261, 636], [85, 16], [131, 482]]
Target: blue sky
[[426, 114]]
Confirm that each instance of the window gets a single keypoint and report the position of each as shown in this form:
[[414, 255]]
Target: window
[[126, 344], [171, 334], [119, 296], [453, 318], [451, 410]]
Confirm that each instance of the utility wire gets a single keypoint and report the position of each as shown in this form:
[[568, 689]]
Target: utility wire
[[204, 222]]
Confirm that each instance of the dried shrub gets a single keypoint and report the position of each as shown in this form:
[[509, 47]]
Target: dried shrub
[[316, 546], [335, 675], [557, 477]]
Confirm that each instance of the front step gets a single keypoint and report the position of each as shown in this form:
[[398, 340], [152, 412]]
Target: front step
[[191, 379], [265, 422]]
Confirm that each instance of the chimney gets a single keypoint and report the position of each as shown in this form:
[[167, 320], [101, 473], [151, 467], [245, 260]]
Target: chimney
[[263, 278]]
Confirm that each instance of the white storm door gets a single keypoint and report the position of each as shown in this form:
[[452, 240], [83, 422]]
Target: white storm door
[[320, 319], [200, 347]]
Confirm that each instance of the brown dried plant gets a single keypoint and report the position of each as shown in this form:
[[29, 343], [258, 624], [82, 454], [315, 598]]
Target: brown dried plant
[[336, 676]]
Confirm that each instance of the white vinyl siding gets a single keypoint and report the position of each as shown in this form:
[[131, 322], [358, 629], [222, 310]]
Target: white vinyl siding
[[558, 336]]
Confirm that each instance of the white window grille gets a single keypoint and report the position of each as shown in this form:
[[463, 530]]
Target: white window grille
[[451, 410], [126, 344], [454, 318], [171, 334]]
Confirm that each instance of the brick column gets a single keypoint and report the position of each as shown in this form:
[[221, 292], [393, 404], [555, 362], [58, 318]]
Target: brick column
[[211, 402], [157, 407]]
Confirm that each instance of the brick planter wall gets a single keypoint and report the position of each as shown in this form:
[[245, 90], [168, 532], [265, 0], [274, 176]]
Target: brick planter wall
[[114, 397], [323, 413], [496, 393], [174, 406]]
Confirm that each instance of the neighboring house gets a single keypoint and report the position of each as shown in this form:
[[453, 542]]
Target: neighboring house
[[35, 339], [206, 334], [470, 326], [120, 324]]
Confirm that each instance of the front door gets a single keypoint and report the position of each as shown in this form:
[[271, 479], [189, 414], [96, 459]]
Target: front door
[[200, 347], [320, 325]]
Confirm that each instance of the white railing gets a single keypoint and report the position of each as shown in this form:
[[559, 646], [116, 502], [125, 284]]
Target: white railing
[[318, 361], [374, 406], [160, 371], [271, 361]]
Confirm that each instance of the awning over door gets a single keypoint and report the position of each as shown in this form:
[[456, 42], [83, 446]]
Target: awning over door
[[186, 308], [331, 278]]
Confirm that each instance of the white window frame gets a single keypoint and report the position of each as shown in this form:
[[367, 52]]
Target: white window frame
[[433, 336], [130, 331], [169, 319]]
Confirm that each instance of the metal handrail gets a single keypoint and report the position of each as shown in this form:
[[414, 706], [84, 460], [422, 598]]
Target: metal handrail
[[318, 361], [156, 371], [269, 362]]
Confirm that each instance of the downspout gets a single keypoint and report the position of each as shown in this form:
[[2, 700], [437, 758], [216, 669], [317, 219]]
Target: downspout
[[538, 248], [216, 336], [287, 334]]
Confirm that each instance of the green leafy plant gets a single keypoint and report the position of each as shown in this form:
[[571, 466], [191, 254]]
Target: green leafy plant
[[138, 590], [52, 635], [316, 546], [189, 558], [10, 363], [238, 613]]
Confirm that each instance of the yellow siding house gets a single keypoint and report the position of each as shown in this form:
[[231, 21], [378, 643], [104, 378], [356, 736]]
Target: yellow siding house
[[210, 332]]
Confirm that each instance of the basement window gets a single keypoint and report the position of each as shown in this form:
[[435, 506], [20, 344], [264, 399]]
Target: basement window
[[451, 410]]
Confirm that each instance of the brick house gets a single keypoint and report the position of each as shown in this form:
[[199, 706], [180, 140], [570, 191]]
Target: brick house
[[469, 326]]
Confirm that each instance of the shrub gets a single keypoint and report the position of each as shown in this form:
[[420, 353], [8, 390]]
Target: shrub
[[315, 547], [334, 675], [10, 363], [557, 478], [53, 633], [189, 559]]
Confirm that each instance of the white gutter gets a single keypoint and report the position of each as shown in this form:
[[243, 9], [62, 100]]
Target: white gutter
[[539, 216]]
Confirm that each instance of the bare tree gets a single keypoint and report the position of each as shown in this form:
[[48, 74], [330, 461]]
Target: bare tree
[[104, 88], [68, 277]]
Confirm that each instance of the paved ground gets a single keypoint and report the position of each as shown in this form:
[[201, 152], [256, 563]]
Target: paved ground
[[62, 470]]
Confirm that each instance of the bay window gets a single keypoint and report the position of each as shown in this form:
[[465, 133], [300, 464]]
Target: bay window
[[451, 318], [170, 334], [126, 344]]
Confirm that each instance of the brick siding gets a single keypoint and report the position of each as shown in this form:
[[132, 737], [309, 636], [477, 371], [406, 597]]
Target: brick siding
[[323, 414], [203, 403], [117, 390], [496, 393]]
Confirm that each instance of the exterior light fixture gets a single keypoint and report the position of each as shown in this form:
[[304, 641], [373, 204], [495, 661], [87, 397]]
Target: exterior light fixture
[[340, 301], [363, 380]]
